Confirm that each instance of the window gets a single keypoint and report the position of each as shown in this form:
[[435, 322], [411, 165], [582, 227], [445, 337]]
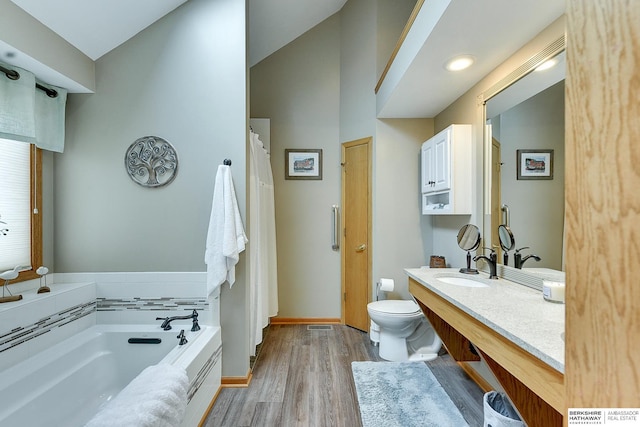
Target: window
[[20, 205]]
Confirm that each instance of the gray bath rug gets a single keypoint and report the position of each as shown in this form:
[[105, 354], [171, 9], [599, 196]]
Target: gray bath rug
[[402, 394]]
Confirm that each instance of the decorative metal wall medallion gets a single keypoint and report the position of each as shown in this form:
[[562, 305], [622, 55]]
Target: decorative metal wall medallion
[[151, 162]]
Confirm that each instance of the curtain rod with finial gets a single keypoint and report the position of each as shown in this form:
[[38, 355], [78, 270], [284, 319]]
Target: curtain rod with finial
[[14, 75]]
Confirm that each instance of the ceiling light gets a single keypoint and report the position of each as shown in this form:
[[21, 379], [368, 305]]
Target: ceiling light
[[459, 63], [547, 64]]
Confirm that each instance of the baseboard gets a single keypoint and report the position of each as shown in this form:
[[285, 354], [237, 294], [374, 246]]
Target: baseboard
[[237, 382], [304, 321], [475, 376], [206, 414]]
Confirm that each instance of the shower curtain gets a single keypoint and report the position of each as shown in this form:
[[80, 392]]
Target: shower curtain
[[263, 289]]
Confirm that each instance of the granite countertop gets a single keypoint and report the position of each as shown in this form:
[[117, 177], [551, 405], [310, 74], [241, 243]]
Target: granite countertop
[[516, 312]]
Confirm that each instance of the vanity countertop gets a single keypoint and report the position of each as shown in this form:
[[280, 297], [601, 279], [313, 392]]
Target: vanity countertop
[[516, 312]]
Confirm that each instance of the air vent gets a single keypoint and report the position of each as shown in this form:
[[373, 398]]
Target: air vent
[[319, 328]]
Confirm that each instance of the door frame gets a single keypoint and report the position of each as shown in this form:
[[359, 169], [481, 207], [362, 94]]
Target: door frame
[[368, 141]]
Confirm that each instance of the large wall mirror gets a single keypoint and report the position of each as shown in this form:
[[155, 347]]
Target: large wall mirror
[[524, 165]]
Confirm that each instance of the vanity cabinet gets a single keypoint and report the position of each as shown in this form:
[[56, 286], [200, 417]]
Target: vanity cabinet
[[446, 169]]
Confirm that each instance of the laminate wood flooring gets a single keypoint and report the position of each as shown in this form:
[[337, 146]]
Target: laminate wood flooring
[[302, 378]]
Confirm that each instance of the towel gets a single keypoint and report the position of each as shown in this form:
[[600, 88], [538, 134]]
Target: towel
[[226, 238], [155, 398]]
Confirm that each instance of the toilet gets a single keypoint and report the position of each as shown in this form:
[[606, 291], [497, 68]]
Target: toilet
[[403, 332]]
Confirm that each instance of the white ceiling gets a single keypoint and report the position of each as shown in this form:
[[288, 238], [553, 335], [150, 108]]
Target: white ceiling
[[491, 30], [96, 27]]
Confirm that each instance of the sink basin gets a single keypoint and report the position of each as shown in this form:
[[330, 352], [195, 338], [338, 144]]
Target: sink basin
[[461, 281]]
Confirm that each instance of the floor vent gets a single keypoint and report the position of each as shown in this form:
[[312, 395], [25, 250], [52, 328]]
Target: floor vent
[[319, 328]]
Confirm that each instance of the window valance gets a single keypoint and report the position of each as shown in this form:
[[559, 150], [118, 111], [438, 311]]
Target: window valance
[[29, 113]]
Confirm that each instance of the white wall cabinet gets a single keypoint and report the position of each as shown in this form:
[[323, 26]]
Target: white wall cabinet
[[447, 161]]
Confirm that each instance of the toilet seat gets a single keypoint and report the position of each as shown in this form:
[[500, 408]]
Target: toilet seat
[[395, 307]]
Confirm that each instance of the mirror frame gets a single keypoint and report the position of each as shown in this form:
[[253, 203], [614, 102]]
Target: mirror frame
[[531, 279]]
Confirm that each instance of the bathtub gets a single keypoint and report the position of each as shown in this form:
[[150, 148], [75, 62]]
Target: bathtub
[[67, 384]]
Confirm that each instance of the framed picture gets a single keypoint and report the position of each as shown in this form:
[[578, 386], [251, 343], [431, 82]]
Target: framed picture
[[535, 164], [303, 164]]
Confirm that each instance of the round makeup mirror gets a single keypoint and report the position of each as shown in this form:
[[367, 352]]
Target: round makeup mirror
[[469, 237], [469, 240], [507, 242]]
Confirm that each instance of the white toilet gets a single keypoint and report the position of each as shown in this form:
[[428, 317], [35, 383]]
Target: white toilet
[[404, 332]]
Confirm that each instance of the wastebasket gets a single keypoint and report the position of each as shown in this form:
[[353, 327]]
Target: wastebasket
[[498, 411]]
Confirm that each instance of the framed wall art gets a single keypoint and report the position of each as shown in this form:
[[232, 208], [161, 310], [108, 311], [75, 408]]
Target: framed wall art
[[534, 164], [303, 163]]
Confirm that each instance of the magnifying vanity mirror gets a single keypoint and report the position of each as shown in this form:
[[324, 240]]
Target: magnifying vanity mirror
[[524, 167], [507, 241], [469, 240]]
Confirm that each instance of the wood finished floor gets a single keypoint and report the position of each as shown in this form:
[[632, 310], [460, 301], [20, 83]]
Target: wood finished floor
[[303, 377]]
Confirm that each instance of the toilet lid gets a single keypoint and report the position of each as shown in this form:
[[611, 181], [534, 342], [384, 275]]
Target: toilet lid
[[395, 306]]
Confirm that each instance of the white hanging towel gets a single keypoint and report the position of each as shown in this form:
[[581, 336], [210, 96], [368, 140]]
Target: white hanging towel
[[226, 238]]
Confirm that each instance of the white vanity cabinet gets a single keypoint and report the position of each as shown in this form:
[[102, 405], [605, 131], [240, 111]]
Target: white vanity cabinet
[[447, 172]]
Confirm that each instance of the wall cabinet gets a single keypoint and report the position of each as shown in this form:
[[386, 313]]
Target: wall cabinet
[[446, 168]]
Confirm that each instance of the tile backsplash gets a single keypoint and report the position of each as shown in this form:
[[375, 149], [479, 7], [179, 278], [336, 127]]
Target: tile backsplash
[[80, 300]]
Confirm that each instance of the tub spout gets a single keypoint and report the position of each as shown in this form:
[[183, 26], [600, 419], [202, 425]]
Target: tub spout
[[166, 321]]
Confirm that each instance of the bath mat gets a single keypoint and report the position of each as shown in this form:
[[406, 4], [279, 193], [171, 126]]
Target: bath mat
[[402, 394]]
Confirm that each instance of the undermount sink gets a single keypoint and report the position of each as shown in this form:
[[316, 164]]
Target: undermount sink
[[461, 281]]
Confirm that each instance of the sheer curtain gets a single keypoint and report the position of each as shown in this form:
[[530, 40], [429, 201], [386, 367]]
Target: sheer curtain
[[263, 289]]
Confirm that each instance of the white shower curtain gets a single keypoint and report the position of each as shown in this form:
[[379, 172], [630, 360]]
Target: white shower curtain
[[263, 289]]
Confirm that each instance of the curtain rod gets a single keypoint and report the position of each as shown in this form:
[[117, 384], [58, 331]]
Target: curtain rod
[[14, 75]]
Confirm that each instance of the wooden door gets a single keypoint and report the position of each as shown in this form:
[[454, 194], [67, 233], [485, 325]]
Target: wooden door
[[356, 235]]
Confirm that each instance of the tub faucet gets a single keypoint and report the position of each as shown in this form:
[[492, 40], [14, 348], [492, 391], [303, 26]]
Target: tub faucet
[[182, 338], [518, 260], [492, 260], [166, 324]]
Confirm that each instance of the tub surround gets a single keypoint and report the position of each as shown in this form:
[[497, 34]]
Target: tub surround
[[39, 321], [517, 333], [79, 302]]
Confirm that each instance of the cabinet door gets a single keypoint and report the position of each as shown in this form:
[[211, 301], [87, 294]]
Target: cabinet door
[[427, 167], [442, 161]]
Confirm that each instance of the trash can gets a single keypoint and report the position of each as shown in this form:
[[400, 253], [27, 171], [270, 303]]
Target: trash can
[[498, 411]]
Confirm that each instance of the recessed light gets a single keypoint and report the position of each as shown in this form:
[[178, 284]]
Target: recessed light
[[547, 64], [459, 63]]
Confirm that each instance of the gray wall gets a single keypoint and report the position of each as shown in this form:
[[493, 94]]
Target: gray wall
[[402, 236], [318, 92], [536, 206], [26, 34], [183, 79], [298, 88], [466, 109]]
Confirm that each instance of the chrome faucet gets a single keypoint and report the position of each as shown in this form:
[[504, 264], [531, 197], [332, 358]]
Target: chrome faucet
[[518, 260], [492, 260], [166, 324]]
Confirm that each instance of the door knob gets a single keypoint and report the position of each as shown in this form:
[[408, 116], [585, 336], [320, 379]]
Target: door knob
[[361, 248]]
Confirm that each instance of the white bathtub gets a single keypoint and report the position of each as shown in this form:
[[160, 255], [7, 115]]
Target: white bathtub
[[68, 383]]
